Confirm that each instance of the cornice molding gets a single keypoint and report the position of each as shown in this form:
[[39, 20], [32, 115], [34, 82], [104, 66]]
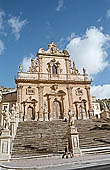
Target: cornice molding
[[48, 54], [51, 81]]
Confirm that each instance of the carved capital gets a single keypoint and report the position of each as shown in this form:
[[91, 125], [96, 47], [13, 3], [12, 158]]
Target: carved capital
[[19, 87]]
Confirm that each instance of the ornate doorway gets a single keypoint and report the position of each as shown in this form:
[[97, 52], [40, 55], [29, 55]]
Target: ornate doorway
[[30, 113], [56, 109]]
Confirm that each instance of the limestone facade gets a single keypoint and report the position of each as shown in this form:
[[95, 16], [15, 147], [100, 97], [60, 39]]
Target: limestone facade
[[52, 86]]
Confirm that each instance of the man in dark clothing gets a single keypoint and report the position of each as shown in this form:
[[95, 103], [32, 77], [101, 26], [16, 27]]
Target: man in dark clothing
[[66, 152]]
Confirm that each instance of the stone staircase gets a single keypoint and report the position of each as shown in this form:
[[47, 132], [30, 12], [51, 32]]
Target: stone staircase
[[35, 138], [94, 136]]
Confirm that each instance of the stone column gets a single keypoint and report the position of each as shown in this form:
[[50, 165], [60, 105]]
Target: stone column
[[77, 115], [89, 100], [48, 99], [51, 109], [85, 109], [67, 68], [70, 98], [24, 114], [19, 100], [40, 95], [36, 112], [62, 99]]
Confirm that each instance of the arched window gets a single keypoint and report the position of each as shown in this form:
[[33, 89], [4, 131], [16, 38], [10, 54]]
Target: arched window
[[54, 69]]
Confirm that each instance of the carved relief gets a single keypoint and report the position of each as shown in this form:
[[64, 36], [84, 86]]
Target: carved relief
[[75, 70], [30, 91], [54, 87], [79, 92], [53, 49]]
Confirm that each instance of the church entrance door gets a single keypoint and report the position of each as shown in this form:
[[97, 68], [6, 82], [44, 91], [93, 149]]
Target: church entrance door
[[30, 113], [57, 114]]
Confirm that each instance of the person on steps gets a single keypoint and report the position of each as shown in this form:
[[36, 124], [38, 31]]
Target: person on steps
[[65, 153]]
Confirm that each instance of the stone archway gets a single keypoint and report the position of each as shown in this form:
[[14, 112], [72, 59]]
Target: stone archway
[[56, 110]]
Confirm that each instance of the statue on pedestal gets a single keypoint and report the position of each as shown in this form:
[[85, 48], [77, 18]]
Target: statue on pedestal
[[6, 119], [71, 118]]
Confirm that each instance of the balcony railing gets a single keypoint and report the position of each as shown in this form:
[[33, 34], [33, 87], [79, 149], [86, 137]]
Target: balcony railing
[[46, 76]]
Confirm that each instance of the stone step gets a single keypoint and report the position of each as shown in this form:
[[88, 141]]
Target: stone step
[[92, 137], [34, 138]]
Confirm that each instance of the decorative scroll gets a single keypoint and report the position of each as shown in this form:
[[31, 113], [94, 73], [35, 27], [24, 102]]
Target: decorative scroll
[[79, 92], [54, 87]]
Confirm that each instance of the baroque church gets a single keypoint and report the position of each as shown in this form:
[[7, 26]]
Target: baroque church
[[51, 109], [52, 87]]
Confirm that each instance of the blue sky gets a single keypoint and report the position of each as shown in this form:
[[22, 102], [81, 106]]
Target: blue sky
[[80, 26]]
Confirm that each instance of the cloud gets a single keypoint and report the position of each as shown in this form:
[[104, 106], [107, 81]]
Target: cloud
[[26, 63], [17, 25], [60, 5], [99, 19], [108, 13], [101, 92], [63, 41], [71, 36], [90, 50], [2, 47]]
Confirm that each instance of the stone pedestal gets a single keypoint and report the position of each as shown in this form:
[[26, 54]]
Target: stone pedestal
[[73, 141], [5, 140]]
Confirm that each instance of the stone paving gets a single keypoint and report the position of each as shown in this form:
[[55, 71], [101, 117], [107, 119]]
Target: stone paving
[[57, 163]]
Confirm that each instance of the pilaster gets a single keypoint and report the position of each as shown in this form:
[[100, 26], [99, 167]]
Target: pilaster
[[89, 100], [70, 97], [67, 67], [40, 95], [19, 99]]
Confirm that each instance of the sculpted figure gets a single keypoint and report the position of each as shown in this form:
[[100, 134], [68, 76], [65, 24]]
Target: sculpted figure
[[84, 71], [6, 117], [75, 70], [20, 68], [71, 118]]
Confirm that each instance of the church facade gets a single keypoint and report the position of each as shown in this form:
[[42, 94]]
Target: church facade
[[52, 87]]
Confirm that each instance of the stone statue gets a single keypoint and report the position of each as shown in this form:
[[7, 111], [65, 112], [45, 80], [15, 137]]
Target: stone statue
[[52, 47], [75, 70], [6, 117], [71, 118], [33, 67], [20, 68], [84, 71]]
